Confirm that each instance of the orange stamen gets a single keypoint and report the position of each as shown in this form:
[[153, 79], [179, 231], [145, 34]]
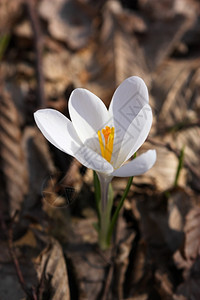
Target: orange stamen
[[107, 149]]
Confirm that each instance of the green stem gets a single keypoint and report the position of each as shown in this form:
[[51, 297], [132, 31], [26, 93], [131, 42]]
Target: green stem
[[180, 165], [97, 194], [115, 216], [105, 211]]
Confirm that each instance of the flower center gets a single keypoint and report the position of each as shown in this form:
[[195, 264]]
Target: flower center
[[106, 146]]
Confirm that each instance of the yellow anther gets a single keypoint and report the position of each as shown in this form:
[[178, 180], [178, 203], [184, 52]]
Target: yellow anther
[[101, 143], [106, 132], [107, 148]]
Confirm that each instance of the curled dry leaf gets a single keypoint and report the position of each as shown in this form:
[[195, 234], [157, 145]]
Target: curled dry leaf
[[189, 138], [176, 85], [164, 285], [10, 286], [158, 9], [39, 164], [137, 271], [67, 21], [123, 52], [164, 171], [52, 272], [121, 265], [55, 65], [88, 265], [117, 54], [13, 166], [158, 46], [9, 12], [187, 7], [179, 204], [192, 234], [179, 297], [190, 289], [24, 30]]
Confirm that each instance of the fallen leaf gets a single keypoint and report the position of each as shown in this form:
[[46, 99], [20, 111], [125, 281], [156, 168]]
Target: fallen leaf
[[39, 164], [176, 85], [192, 234], [67, 22], [117, 54], [164, 171], [157, 46], [190, 289], [188, 138], [13, 166], [52, 271]]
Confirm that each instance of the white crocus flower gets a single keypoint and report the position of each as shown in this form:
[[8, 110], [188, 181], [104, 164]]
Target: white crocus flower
[[104, 139]]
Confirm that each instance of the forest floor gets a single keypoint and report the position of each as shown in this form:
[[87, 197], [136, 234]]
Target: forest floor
[[48, 245]]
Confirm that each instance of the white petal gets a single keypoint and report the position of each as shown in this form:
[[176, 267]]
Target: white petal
[[93, 160], [88, 113], [137, 166], [58, 130], [127, 101], [134, 136]]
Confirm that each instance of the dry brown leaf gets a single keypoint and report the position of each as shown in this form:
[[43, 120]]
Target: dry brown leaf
[[154, 226], [179, 297], [164, 285], [24, 30], [179, 204], [176, 86], [139, 297], [39, 164], [121, 47], [158, 9], [13, 165], [188, 8], [162, 37], [9, 12], [164, 171], [67, 21], [191, 262], [190, 289], [8, 279], [121, 265], [192, 234], [51, 268], [189, 139], [116, 55], [89, 266], [187, 258], [137, 270], [56, 71], [55, 66]]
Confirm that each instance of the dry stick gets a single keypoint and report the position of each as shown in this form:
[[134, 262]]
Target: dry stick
[[38, 43], [108, 282]]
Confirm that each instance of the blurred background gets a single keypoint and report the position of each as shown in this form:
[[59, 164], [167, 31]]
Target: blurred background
[[48, 245]]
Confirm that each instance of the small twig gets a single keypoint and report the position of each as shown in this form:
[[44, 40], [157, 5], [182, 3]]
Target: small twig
[[108, 282], [38, 43]]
